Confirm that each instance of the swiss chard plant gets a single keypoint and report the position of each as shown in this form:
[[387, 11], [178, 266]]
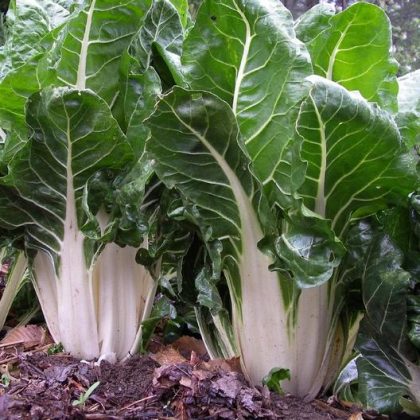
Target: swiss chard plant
[[73, 172], [274, 164]]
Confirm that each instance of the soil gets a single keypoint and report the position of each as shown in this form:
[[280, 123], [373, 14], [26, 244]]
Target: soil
[[175, 382]]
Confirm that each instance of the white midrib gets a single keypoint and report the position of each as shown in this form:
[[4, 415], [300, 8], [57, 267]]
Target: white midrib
[[320, 196], [244, 203], [245, 53], [76, 313], [334, 53], [81, 70], [2, 135]]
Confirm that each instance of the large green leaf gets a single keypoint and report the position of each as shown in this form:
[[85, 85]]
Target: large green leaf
[[385, 372], [211, 141], [27, 23], [246, 52], [89, 49], [356, 161], [385, 376], [162, 29], [66, 148], [376, 261], [354, 51], [313, 22], [408, 116]]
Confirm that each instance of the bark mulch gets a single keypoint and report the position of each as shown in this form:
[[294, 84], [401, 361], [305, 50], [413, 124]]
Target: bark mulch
[[172, 382]]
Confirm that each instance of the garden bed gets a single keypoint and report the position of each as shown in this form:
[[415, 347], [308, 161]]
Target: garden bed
[[174, 382]]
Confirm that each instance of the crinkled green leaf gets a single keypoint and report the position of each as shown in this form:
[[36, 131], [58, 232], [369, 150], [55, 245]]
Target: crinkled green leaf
[[162, 308], [89, 48], [395, 222], [213, 142], [274, 378], [182, 7], [408, 116], [46, 173], [356, 162], [385, 287], [162, 26], [313, 22], [385, 376], [308, 248], [385, 372], [246, 52], [345, 386], [27, 23], [15, 88], [141, 96], [354, 51]]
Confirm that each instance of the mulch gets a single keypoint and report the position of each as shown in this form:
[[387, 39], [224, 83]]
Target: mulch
[[167, 384]]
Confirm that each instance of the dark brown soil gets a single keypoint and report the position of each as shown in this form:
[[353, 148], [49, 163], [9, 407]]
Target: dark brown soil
[[168, 387]]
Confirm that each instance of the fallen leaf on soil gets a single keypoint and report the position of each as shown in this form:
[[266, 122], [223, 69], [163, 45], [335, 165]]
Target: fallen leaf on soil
[[356, 416], [229, 365], [28, 336], [228, 386], [168, 356], [186, 344]]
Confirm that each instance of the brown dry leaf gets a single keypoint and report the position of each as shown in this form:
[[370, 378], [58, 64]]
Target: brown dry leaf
[[228, 386], [181, 411], [168, 356], [28, 336], [230, 365], [356, 416], [185, 381], [202, 375], [186, 344]]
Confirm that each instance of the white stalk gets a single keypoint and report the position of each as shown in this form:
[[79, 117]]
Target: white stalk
[[45, 284], [76, 309], [75, 303], [14, 279], [124, 292], [263, 329]]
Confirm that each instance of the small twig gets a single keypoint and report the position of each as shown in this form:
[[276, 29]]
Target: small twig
[[326, 407], [126, 407], [183, 371]]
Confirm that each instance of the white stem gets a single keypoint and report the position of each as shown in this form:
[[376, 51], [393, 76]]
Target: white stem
[[14, 278], [124, 291], [75, 302], [263, 329], [44, 281]]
